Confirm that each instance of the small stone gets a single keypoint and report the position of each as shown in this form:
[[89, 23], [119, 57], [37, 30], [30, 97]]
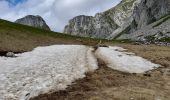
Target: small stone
[[10, 54]]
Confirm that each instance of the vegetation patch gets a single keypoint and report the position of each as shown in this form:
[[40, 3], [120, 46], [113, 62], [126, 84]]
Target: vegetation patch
[[150, 37], [165, 39], [153, 38], [123, 32], [162, 20]]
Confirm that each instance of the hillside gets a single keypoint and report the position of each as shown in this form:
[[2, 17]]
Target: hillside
[[19, 38]]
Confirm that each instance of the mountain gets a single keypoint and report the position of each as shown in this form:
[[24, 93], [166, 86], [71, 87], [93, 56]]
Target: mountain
[[103, 24], [124, 21], [34, 21]]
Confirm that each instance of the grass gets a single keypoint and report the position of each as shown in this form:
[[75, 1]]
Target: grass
[[23, 28], [165, 39], [123, 32], [162, 20], [152, 38], [18, 38]]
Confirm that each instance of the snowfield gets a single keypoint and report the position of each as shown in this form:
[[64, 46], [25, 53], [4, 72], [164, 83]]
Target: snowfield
[[117, 58], [51, 68], [42, 70]]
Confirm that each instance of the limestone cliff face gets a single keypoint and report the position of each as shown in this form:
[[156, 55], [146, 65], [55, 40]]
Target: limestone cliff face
[[150, 17], [35, 21], [78, 25], [102, 24], [130, 19], [149, 11]]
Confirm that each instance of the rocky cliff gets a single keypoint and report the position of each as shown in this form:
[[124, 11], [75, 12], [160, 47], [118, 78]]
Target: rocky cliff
[[35, 21], [102, 24], [151, 21], [130, 19], [149, 11]]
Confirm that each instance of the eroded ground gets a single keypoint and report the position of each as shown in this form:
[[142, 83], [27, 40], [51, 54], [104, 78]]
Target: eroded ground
[[108, 84]]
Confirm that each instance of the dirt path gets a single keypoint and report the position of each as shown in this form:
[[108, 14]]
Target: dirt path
[[108, 84]]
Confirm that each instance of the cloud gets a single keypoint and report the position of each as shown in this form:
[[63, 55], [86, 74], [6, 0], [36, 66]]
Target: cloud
[[56, 13]]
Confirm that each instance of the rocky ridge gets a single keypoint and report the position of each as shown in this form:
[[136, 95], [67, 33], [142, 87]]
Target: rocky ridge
[[150, 17], [102, 24], [34, 21], [130, 19]]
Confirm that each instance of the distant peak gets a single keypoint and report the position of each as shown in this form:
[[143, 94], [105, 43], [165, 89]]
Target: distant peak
[[34, 21]]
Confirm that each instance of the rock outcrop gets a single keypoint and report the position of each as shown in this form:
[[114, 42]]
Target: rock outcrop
[[130, 19], [157, 33], [10, 54], [149, 11], [34, 21], [80, 24], [102, 24], [150, 18]]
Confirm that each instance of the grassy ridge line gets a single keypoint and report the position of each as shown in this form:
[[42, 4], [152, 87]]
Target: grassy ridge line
[[10, 26], [162, 20], [20, 38], [23, 28]]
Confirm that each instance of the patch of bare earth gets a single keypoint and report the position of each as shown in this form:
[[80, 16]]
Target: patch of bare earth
[[108, 84]]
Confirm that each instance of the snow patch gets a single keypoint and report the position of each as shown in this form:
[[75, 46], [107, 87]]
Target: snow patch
[[44, 69], [115, 58], [52, 68]]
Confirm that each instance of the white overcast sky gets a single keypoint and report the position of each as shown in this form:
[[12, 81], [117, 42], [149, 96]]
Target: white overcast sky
[[56, 13]]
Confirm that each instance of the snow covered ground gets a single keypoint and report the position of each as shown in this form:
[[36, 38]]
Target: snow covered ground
[[118, 59], [42, 70], [55, 67]]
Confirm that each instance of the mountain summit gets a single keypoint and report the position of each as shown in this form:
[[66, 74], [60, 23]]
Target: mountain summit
[[34, 21]]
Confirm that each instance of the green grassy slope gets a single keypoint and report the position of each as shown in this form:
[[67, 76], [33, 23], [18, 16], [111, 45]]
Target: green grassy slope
[[19, 38]]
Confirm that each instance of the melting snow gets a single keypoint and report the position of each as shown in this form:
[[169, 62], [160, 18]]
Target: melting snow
[[55, 67], [115, 58], [42, 70]]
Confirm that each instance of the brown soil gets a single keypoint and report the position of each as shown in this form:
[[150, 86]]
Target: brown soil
[[108, 84]]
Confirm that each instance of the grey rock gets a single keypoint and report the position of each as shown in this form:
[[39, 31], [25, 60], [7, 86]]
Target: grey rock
[[78, 25], [152, 32], [148, 11], [34, 21], [10, 54], [146, 14], [102, 24], [130, 19]]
